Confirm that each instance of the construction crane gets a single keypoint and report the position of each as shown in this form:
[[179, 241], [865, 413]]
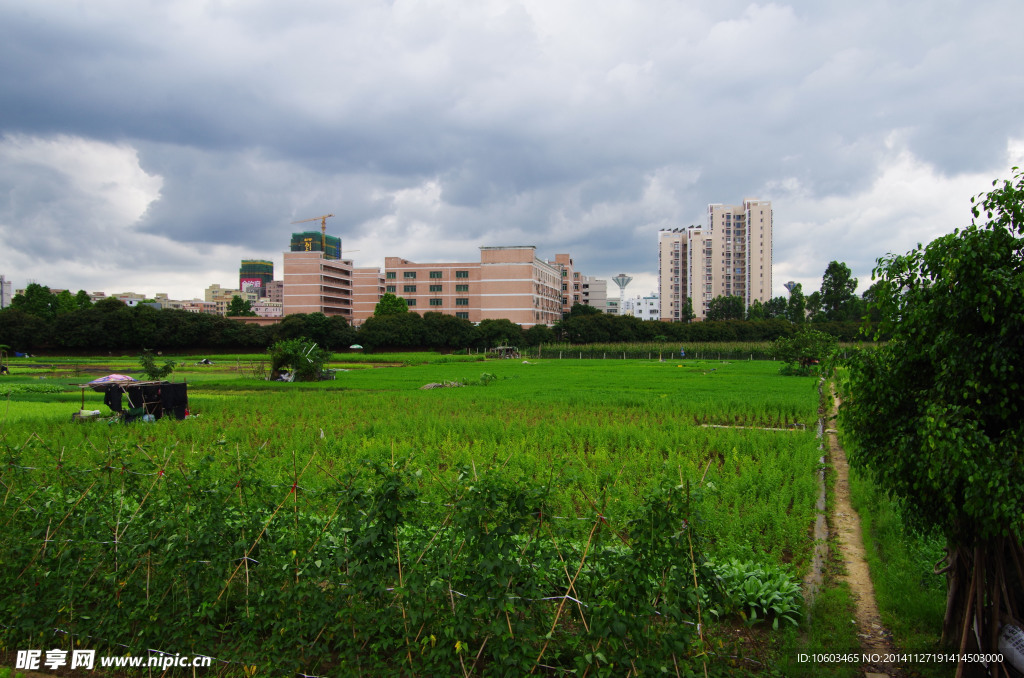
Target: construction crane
[[323, 228]]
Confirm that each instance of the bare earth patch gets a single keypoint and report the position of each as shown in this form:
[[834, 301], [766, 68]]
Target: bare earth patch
[[874, 638]]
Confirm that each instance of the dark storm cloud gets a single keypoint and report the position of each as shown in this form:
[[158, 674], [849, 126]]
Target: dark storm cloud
[[430, 129]]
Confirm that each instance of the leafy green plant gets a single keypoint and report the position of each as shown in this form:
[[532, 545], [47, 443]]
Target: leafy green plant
[[154, 372], [760, 592], [303, 356]]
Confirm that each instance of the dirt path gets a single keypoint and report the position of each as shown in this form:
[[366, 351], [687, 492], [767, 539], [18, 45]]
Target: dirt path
[[874, 638]]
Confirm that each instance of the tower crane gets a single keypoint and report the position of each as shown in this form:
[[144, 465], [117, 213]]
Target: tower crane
[[323, 228]]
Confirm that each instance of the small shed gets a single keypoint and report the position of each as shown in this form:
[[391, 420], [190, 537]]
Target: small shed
[[503, 352], [131, 400]]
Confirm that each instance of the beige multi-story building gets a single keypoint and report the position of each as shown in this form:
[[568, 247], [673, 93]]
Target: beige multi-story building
[[507, 282], [275, 291], [730, 256], [594, 292], [222, 297], [367, 289], [315, 284]]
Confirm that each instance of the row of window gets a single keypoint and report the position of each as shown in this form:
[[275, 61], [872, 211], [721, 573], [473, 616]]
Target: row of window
[[434, 275], [411, 289], [459, 301]]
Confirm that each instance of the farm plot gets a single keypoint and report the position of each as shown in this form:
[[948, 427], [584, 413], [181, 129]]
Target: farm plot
[[556, 516]]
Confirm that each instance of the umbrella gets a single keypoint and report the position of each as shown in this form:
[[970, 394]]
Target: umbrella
[[98, 384], [355, 346]]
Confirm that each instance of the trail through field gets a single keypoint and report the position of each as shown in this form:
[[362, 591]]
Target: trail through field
[[874, 638]]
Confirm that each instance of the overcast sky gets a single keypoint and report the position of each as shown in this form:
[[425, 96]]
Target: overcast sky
[[150, 145]]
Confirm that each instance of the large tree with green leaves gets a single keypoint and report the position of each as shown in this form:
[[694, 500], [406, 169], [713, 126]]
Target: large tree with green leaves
[[240, 307], [390, 304], [936, 414], [837, 288], [726, 308]]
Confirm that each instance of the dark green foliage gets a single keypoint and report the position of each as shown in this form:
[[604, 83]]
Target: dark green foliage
[[36, 300], [796, 307], [726, 308], [537, 335], [499, 332], [302, 356], [805, 350], [837, 292], [936, 413], [240, 307], [154, 372], [356, 578], [390, 304], [395, 331]]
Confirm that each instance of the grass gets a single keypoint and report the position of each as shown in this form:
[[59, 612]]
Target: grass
[[911, 599], [599, 433]]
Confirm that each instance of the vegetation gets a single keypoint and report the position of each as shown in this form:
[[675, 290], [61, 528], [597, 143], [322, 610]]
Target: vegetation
[[240, 307], [575, 515], [803, 352], [303, 357], [935, 412], [153, 371]]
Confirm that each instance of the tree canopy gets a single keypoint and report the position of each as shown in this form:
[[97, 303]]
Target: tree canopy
[[390, 304], [936, 412], [240, 307]]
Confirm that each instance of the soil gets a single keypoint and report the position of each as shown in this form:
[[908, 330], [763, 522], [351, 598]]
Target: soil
[[874, 638]]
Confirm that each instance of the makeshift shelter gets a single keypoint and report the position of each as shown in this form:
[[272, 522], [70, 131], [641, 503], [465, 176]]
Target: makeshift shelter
[[131, 399]]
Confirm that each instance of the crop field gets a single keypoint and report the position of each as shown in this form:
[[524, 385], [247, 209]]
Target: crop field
[[557, 517]]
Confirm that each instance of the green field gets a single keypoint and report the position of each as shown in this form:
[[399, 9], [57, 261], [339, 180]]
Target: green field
[[550, 515]]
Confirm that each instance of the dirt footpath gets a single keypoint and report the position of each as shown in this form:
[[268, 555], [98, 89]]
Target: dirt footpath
[[874, 638]]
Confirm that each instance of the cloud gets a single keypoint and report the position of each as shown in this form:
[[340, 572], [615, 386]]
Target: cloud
[[432, 128]]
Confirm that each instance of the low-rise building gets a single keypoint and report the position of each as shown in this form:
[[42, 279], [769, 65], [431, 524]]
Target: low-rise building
[[644, 308], [507, 282]]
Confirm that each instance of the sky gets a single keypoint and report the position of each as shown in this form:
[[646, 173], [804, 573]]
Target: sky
[[150, 145]]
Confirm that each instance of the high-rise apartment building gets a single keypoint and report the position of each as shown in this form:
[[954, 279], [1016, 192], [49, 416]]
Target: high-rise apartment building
[[255, 275], [730, 256]]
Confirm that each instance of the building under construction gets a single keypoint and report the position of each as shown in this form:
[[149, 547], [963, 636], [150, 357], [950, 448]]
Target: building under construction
[[312, 241], [255, 275]]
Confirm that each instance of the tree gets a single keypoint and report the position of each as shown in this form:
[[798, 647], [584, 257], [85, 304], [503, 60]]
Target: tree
[[154, 372], [804, 350], [837, 288], [775, 308], [725, 308], [796, 307], [499, 332], [240, 307], [389, 304], [36, 300], [936, 412], [686, 313], [82, 300], [756, 310]]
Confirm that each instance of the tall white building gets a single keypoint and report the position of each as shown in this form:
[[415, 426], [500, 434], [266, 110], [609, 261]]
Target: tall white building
[[730, 256]]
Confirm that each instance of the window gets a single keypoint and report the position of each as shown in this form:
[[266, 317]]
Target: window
[[462, 288], [435, 288], [461, 274], [391, 275], [410, 302], [392, 288], [461, 301], [462, 314], [435, 302], [409, 275], [435, 274], [409, 288]]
